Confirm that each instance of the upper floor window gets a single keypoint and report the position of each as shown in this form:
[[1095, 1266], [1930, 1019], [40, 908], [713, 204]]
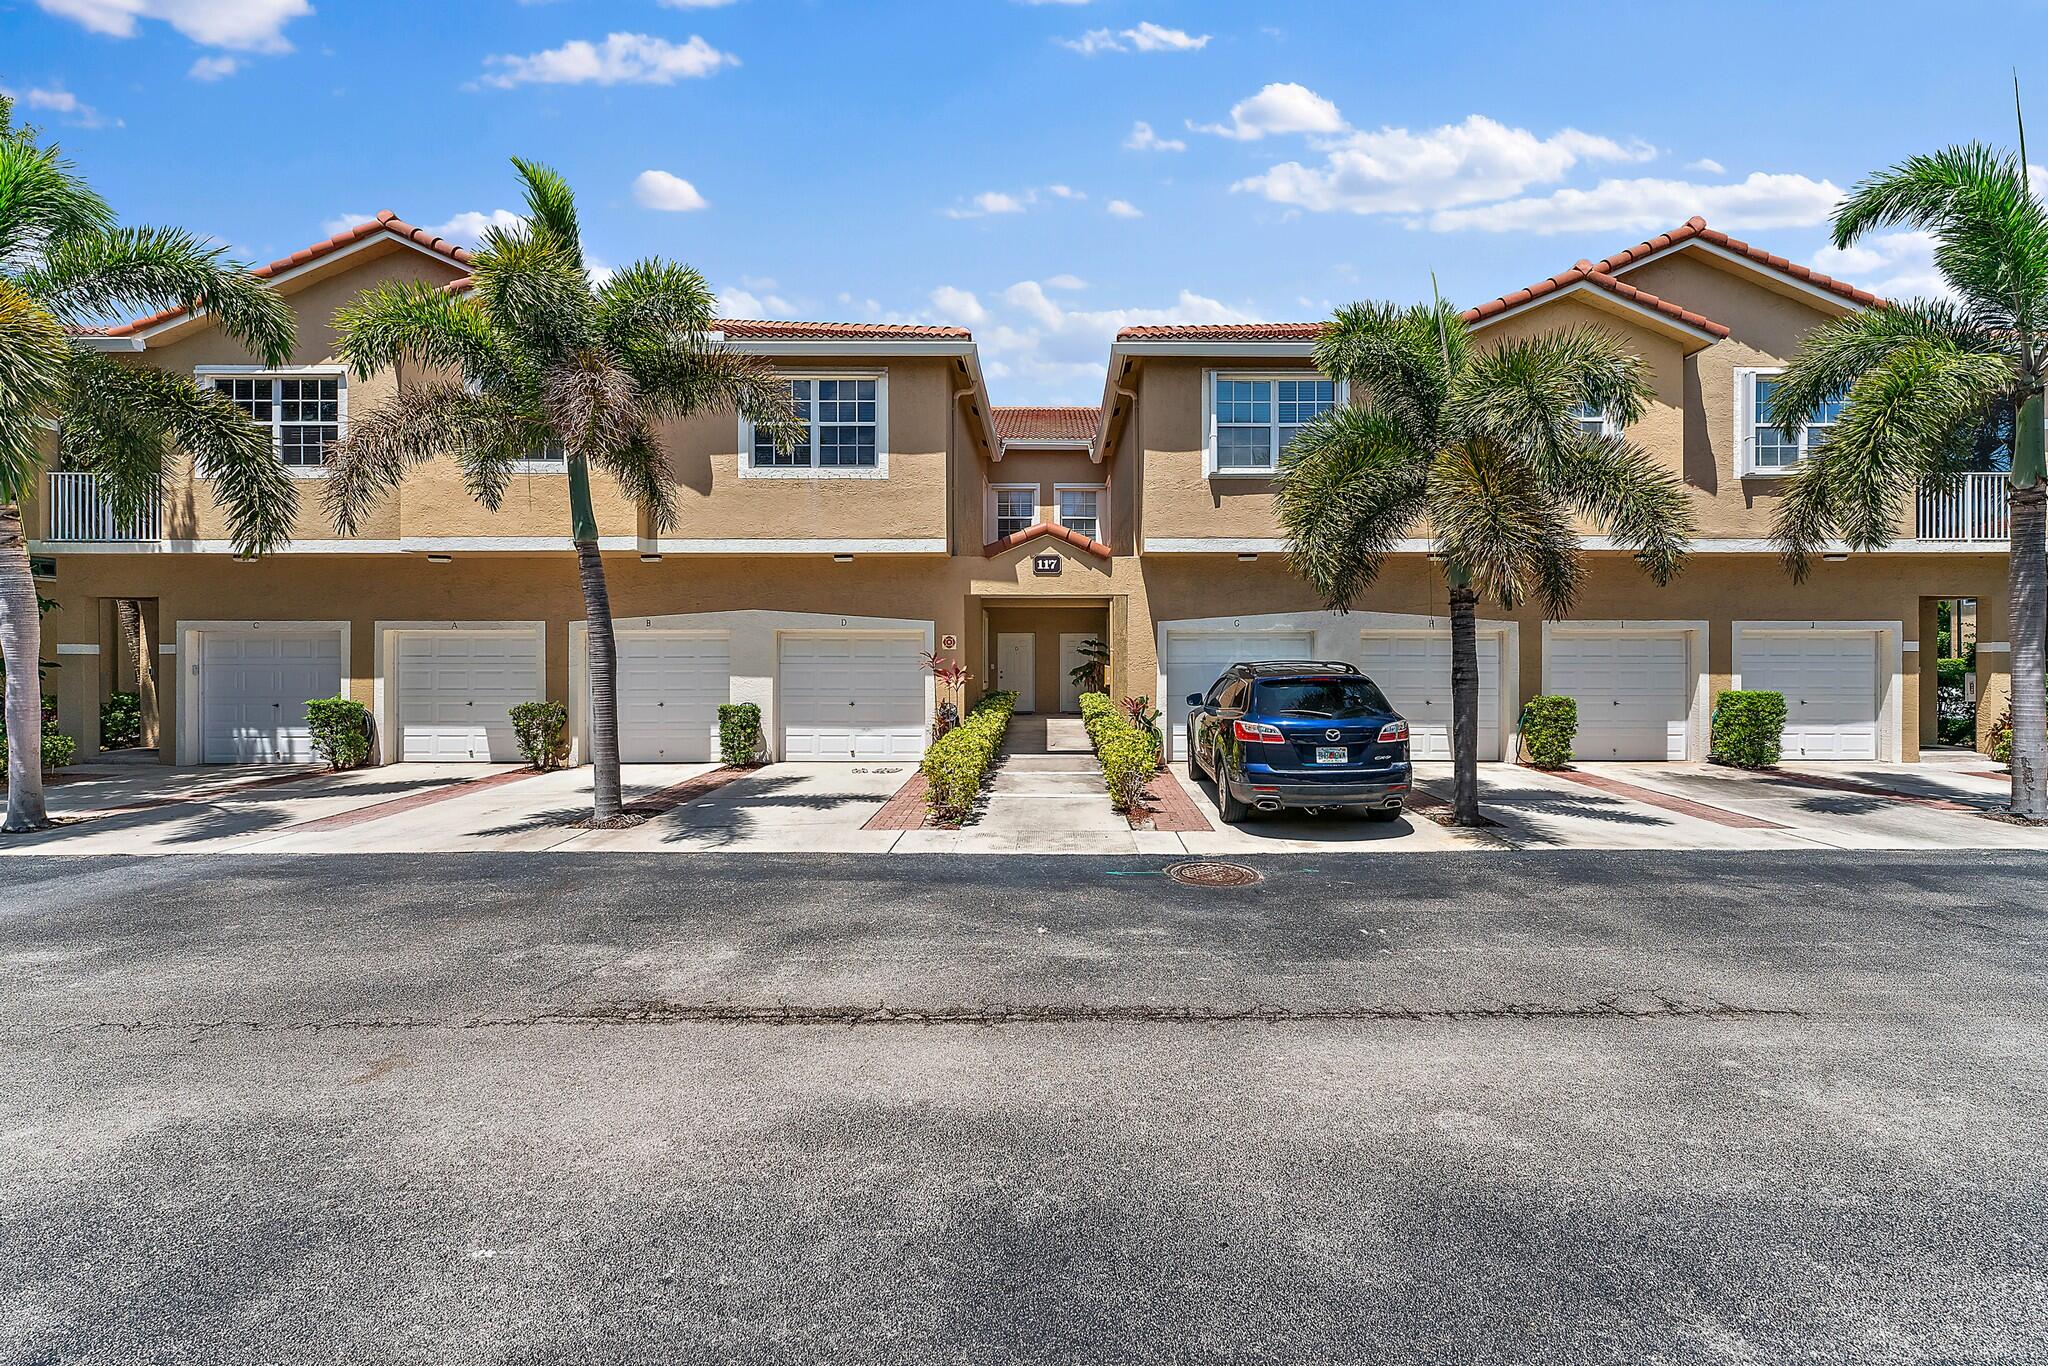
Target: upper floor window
[[551, 458], [304, 412], [1080, 510], [1592, 421], [844, 418], [1765, 448], [1016, 509], [1252, 417]]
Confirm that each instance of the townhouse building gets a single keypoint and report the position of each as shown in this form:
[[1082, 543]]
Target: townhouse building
[[924, 518]]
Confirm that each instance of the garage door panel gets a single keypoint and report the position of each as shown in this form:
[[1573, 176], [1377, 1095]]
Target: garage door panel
[[670, 687], [1196, 659], [1830, 684], [456, 691], [1633, 689], [852, 698], [1414, 671], [253, 691]]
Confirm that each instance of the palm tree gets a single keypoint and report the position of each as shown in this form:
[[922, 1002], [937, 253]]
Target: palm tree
[[64, 265], [538, 357], [1483, 449], [1924, 382]]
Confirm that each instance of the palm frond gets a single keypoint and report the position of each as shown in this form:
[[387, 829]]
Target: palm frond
[[531, 287], [1834, 355], [419, 322], [484, 433], [1921, 191], [681, 373], [93, 276], [1493, 516], [592, 405], [33, 355], [551, 205], [1351, 483], [641, 467], [42, 201], [1393, 359], [1632, 496], [649, 298], [1521, 393]]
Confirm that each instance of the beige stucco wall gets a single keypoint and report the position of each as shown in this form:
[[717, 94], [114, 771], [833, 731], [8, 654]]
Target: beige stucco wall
[[1044, 471], [1045, 624]]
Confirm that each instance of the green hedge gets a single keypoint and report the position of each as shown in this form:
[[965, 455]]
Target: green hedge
[[1550, 723], [958, 762], [341, 731], [542, 730], [1128, 752], [739, 733], [121, 721], [1950, 673], [1749, 728], [58, 749]]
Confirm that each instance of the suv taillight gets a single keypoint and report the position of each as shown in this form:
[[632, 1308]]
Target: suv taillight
[[1255, 732], [1393, 732]]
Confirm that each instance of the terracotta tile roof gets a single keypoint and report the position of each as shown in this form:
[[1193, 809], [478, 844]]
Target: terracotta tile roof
[[1585, 272], [759, 330], [1696, 227], [1224, 332], [386, 221], [1030, 533], [1077, 425]]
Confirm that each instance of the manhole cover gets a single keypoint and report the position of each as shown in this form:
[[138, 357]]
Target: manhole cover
[[1209, 873]]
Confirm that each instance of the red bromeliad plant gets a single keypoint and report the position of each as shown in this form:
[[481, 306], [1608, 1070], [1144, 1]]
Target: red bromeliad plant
[[951, 678]]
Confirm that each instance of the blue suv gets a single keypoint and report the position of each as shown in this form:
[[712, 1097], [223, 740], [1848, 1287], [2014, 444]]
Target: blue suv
[[1301, 734]]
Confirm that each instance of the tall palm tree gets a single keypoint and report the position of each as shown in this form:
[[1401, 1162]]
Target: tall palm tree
[[538, 357], [64, 265], [1924, 381], [1480, 447]]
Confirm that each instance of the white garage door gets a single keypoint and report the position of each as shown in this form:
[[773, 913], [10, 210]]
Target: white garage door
[[456, 690], [1830, 684], [847, 697], [1195, 659], [1632, 688], [671, 686], [253, 690], [1414, 671]]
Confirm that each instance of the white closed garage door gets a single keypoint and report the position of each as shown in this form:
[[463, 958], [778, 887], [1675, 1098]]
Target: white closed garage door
[[671, 685], [1195, 659], [253, 690], [456, 690], [1633, 691], [1829, 679], [1414, 671], [852, 697]]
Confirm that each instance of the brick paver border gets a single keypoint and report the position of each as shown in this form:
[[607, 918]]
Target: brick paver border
[[905, 810], [1166, 806], [411, 801]]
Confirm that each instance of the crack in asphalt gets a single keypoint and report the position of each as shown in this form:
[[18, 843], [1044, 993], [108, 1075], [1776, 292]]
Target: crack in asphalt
[[609, 1014]]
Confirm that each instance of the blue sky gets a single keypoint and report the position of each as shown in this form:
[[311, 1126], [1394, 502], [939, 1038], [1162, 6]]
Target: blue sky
[[988, 162]]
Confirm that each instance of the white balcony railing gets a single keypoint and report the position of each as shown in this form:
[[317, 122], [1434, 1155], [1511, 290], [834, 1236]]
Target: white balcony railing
[[77, 512], [1974, 510]]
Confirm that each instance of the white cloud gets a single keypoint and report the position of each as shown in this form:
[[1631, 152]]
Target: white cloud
[[1645, 205], [1064, 192], [214, 68], [1897, 265], [239, 25], [1283, 107], [1706, 166], [992, 202], [342, 222], [1146, 37], [1065, 282], [959, 305], [66, 106], [1051, 352], [1124, 208], [621, 59], [1143, 139], [757, 300], [469, 227], [669, 193], [1394, 170]]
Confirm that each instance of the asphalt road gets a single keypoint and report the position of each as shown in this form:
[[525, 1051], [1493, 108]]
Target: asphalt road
[[1472, 1108]]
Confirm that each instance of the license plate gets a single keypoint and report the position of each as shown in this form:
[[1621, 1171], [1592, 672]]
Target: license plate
[[1332, 754]]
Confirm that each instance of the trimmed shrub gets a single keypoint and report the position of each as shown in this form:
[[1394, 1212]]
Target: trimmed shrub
[[341, 731], [1749, 728], [1950, 673], [542, 730], [1550, 723], [58, 749], [739, 733], [1128, 752], [2001, 739], [958, 762], [121, 721]]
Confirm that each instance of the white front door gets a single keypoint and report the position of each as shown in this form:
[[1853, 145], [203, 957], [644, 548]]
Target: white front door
[[1414, 671], [1829, 679], [1196, 659], [671, 685], [1016, 665], [1633, 691], [253, 690], [852, 697], [1071, 658], [456, 691]]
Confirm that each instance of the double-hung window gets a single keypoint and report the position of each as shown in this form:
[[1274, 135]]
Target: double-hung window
[[304, 413], [1252, 417], [1765, 448], [843, 420], [1080, 510], [1016, 509], [1592, 421]]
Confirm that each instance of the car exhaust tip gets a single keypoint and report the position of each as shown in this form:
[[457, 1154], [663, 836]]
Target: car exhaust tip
[[1268, 806]]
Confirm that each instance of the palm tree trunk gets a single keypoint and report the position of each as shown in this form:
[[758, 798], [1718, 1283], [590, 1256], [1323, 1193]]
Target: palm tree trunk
[[1464, 705], [603, 647], [2027, 627], [21, 648]]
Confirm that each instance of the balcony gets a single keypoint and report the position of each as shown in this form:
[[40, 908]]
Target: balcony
[[77, 512], [1974, 510]]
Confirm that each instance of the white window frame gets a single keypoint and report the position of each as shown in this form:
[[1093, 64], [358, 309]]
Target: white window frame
[[1608, 426], [205, 375], [1101, 492], [994, 506], [1340, 395], [1746, 425], [880, 469], [544, 463]]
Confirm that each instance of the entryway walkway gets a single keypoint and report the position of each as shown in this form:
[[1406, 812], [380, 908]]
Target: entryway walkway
[[1046, 797]]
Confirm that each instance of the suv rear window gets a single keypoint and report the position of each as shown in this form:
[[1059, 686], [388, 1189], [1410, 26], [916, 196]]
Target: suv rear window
[[1333, 699]]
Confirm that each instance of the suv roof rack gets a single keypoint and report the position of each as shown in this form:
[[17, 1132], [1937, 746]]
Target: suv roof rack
[[1295, 666]]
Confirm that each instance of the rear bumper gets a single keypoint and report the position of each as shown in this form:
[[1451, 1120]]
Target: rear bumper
[[1275, 787]]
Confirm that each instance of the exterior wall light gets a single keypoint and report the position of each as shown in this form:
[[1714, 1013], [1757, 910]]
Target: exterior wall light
[[842, 559], [1247, 555], [439, 559], [650, 557]]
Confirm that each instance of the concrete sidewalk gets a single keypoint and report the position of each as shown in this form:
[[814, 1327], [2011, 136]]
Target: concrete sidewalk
[[1046, 796]]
